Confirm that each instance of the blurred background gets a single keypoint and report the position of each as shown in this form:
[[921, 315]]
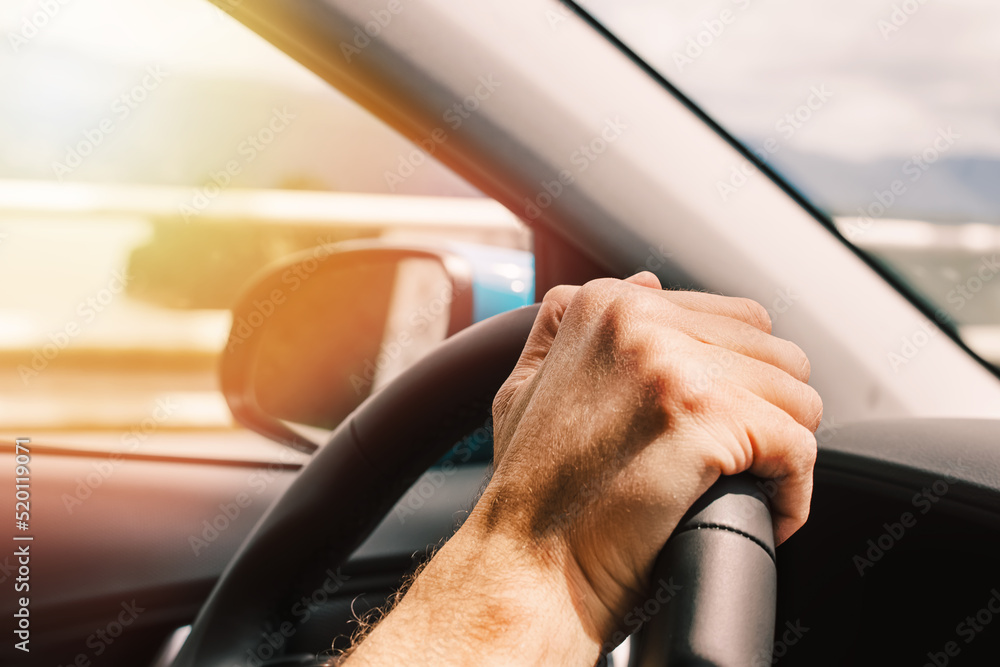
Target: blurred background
[[156, 154]]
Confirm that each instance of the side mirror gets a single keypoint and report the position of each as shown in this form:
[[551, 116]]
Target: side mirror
[[315, 335]]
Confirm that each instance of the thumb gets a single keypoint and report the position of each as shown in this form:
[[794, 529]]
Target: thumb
[[545, 328], [509, 400]]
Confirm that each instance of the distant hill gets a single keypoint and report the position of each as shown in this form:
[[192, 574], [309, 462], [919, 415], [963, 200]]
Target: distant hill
[[952, 189]]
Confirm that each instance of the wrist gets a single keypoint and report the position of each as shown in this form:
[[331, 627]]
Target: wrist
[[539, 585], [486, 598]]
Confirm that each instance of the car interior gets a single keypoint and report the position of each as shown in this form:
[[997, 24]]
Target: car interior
[[249, 500]]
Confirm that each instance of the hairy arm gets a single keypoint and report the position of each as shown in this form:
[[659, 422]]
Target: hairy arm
[[482, 600]]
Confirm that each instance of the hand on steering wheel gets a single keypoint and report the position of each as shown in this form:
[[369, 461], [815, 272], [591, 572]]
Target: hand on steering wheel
[[625, 406]]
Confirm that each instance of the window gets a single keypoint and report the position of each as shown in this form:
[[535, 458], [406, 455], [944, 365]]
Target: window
[[156, 154], [882, 114]]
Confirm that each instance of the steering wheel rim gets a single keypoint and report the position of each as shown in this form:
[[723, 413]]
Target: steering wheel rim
[[368, 464]]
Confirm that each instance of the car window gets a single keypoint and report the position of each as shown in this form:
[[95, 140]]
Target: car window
[[883, 114], [157, 154]]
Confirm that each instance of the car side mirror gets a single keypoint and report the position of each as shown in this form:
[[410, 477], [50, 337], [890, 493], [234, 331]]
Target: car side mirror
[[313, 336]]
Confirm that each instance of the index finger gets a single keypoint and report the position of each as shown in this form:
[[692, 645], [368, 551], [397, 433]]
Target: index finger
[[734, 307], [737, 308]]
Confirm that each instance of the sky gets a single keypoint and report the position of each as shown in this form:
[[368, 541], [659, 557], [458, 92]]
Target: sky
[[893, 84]]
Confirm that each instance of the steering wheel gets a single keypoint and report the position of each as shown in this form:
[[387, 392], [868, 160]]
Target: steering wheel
[[721, 557]]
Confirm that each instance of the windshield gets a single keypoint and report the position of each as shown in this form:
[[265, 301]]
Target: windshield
[[883, 114]]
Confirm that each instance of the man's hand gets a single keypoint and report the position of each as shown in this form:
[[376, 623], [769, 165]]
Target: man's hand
[[627, 403]]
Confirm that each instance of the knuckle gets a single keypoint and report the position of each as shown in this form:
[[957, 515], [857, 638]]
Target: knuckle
[[798, 361], [600, 286], [670, 395], [620, 321], [695, 387], [652, 360], [550, 314], [635, 355], [796, 446], [754, 313], [800, 451], [809, 450], [559, 295], [501, 401], [800, 510], [661, 385], [592, 297], [612, 326], [813, 409], [799, 516]]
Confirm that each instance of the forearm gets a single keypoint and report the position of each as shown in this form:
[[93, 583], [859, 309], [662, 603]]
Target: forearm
[[484, 600]]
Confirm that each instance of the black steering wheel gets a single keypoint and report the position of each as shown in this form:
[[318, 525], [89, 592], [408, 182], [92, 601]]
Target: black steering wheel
[[721, 557]]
